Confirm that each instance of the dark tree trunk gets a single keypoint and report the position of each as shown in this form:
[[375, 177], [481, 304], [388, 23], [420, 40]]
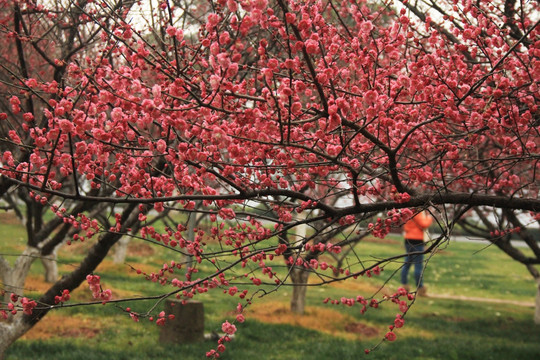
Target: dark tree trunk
[[10, 332]]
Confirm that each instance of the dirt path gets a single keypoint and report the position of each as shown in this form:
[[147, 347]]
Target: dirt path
[[480, 299]]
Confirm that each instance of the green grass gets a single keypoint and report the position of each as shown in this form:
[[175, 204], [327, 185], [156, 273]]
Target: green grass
[[436, 328], [470, 335], [13, 240], [468, 269]]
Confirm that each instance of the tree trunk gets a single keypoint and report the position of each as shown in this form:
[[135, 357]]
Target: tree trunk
[[19, 324], [13, 277], [51, 267], [120, 250], [299, 277], [11, 331]]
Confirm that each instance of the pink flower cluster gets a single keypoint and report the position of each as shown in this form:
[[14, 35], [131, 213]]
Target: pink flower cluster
[[26, 304], [63, 298], [228, 328], [95, 286]]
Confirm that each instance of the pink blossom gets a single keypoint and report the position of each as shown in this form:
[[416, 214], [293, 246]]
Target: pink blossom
[[224, 37], [232, 5], [14, 101], [290, 18], [116, 114], [161, 146], [171, 31], [65, 125], [59, 111], [14, 297], [134, 316], [213, 20], [260, 4], [233, 290], [404, 20], [403, 307], [468, 34], [106, 296], [28, 117], [312, 46], [179, 34], [223, 60], [273, 64], [232, 70], [228, 328], [371, 96], [366, 27], [28, 305], [156, 91], [31, 83], [15, 104]]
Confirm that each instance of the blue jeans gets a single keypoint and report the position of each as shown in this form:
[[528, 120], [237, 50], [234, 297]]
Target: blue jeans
[[416, 259]]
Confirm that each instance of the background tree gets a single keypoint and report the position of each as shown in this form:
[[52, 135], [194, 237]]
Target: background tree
[[504, 229], [314, 239], [386, 110], [36, 71]]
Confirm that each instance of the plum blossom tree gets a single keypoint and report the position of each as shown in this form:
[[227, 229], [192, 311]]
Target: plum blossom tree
[[335, 108]]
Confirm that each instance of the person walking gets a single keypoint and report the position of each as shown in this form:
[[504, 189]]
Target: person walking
[[415, 229]]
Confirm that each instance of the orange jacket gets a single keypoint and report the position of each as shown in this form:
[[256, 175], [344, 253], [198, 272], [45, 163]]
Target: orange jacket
[[414, 228]]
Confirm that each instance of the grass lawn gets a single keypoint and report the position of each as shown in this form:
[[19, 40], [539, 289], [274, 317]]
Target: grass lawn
[[440, 327]]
